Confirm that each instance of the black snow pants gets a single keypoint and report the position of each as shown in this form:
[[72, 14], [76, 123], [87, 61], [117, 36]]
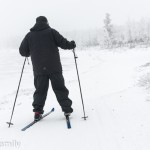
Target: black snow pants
[[41, 83]]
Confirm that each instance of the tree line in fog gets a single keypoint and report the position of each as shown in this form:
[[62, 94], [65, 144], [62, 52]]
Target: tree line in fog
[[131, 34]]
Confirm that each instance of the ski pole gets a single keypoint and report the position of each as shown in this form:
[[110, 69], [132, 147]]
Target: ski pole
[[75, 57], [10, 123]]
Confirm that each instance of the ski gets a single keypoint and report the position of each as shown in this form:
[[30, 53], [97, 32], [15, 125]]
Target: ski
[[68, 122], [33, 122]]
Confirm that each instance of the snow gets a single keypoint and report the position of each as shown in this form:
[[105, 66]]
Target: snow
[[116, 97]]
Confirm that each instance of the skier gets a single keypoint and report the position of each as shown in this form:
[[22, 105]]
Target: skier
[[42, 43]]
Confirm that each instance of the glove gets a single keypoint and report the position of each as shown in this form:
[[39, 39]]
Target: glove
[[72, 44]]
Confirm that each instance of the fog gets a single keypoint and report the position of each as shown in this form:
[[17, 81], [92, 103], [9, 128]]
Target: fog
[[18, 16]]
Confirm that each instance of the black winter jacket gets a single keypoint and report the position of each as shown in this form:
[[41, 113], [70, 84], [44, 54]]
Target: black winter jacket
[[42, 43]]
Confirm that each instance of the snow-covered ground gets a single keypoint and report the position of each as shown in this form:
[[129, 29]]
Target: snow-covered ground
[[117, 102]]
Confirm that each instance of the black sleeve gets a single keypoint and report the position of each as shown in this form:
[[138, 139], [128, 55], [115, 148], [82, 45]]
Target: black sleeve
[[61, 41], [24, 47]]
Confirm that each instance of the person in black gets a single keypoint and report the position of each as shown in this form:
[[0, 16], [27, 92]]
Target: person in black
[[42, 43]]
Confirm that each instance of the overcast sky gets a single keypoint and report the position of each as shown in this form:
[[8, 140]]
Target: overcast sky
[[19, 15]]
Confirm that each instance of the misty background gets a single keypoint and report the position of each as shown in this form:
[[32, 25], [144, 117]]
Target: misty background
[[108, 24]]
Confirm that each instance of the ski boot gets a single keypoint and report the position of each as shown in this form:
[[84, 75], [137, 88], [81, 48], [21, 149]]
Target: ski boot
[[37, 116], [67, 114]]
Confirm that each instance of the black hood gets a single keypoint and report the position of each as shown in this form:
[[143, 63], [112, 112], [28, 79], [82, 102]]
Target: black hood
[[40, 26]]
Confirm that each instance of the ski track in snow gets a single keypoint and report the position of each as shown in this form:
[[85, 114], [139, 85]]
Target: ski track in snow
[[117, 108]]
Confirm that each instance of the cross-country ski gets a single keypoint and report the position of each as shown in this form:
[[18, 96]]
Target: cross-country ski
[[33, 122], [68, 121]]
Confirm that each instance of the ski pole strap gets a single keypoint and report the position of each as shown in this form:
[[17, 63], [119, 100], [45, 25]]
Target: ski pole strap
[[28, 60], [75, 56]]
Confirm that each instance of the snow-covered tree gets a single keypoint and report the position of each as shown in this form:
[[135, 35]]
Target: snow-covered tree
[[108, 32]]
